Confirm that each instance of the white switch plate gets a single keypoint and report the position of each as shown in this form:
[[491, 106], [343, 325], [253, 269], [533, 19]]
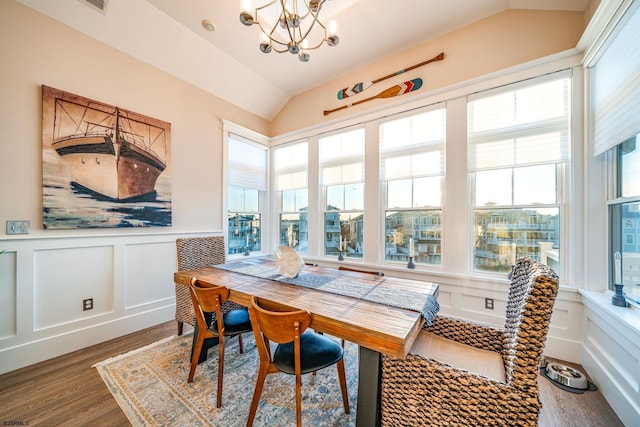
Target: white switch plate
[[17, 227]]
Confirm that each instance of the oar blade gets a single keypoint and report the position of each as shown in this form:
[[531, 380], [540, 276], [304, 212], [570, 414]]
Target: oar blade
[[401, 89], [353, 90]]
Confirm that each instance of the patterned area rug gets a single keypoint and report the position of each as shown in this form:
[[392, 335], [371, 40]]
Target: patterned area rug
[[150, 385]]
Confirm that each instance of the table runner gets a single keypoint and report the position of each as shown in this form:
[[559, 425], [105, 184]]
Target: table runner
[[340, 284]]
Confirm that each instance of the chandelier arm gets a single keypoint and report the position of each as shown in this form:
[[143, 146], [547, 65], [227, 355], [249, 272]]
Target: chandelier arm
[[272, 38], [291, 22], [313, 23], [271, 3], [283, 14], [269, 33]]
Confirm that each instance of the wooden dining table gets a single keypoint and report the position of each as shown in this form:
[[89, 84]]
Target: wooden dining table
[[377, 328]]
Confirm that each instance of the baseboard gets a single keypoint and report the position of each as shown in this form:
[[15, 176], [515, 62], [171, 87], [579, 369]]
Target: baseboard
[[26, 354]]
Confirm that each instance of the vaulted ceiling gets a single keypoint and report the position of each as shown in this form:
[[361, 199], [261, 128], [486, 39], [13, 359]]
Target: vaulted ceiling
[[169, 35]]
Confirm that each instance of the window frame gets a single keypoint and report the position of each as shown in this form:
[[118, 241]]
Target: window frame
[[278, 193], [615, 202], [323, 196], [563, 177], [234, 131], [383, 184]]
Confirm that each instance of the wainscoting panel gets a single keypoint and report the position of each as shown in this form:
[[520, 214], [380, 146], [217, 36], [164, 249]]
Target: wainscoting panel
[[609, 345], [63, 278], [7, 295], [148, 280], [564, 338], [444, 299], [44, 280], [611, 353]]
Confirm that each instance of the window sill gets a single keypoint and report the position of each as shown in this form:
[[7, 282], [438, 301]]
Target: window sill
[[629, 316]]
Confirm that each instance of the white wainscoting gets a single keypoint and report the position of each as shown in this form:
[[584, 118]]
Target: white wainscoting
[[611, 353], [564, 337], [44, 280], [130, 277]]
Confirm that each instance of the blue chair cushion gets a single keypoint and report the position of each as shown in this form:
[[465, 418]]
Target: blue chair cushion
[[316, 352], [235, 322]]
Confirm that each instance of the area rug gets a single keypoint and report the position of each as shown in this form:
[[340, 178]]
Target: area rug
[[150, 385]]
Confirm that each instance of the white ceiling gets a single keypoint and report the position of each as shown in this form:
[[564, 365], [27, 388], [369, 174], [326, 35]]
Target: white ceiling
[[168, 34]]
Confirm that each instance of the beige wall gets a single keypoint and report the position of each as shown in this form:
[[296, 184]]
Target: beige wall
[[501, 41], [36, 50]]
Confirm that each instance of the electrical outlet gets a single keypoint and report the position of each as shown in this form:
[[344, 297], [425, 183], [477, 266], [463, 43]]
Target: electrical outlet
[[488, 303], [87, 304], [17, 227]]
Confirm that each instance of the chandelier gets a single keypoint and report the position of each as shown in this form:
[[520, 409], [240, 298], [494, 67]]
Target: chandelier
[[290, 26]]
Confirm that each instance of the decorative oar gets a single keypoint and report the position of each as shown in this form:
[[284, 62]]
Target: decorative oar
[[397, 90], [362, 86]]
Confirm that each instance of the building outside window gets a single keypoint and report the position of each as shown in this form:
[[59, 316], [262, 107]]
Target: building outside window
[[245, 195], [290, 166], [342, 182], [411, 173], [518, 151]]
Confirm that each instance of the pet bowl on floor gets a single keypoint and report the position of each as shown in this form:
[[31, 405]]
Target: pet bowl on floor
[[566, 376]]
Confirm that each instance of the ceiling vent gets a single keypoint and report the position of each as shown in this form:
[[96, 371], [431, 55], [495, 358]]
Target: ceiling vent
[[99, 5]]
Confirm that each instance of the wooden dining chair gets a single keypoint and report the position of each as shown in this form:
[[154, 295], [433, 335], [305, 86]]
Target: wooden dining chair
[[297, 352], [208, 298], [377, 273]]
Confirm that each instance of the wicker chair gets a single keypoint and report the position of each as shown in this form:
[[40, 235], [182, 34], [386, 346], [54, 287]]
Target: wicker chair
[[197, 252], [460, 373]]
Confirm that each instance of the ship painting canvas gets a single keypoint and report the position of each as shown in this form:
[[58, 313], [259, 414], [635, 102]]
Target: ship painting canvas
[[103, 166]]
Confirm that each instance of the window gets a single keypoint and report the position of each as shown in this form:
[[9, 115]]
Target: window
[[290, 165], [342, 181], [246, 193], [518, 145], [411, 173], [624, 213], [614, 111]]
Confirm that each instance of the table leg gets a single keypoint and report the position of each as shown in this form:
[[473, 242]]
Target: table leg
[[368, 411]]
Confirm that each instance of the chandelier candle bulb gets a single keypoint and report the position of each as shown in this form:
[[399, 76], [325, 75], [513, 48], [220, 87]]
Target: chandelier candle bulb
[[246, 6], [411, 246], [618, 268], [333, 28]]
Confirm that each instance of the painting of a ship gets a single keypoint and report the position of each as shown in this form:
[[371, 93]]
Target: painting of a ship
[[108, 153], [106, 158]]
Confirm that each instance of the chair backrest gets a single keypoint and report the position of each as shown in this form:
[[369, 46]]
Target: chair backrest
[[209, 298], [197, 252], [277, 326], [532, 293], [377, 273]]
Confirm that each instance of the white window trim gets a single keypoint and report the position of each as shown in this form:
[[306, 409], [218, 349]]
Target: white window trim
[[455, 243], [254, 137]]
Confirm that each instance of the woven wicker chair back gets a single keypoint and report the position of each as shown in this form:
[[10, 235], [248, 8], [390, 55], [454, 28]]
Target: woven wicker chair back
[[532, 293], [195, 252]]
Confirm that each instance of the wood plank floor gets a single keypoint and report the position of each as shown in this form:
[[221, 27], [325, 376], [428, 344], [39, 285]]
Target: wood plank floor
[[68, 391]]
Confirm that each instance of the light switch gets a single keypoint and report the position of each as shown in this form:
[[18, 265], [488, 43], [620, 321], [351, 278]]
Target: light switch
[[17, 227]]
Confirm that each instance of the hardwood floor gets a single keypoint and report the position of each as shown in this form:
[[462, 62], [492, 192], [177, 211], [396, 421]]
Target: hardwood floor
[[68, 391]]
